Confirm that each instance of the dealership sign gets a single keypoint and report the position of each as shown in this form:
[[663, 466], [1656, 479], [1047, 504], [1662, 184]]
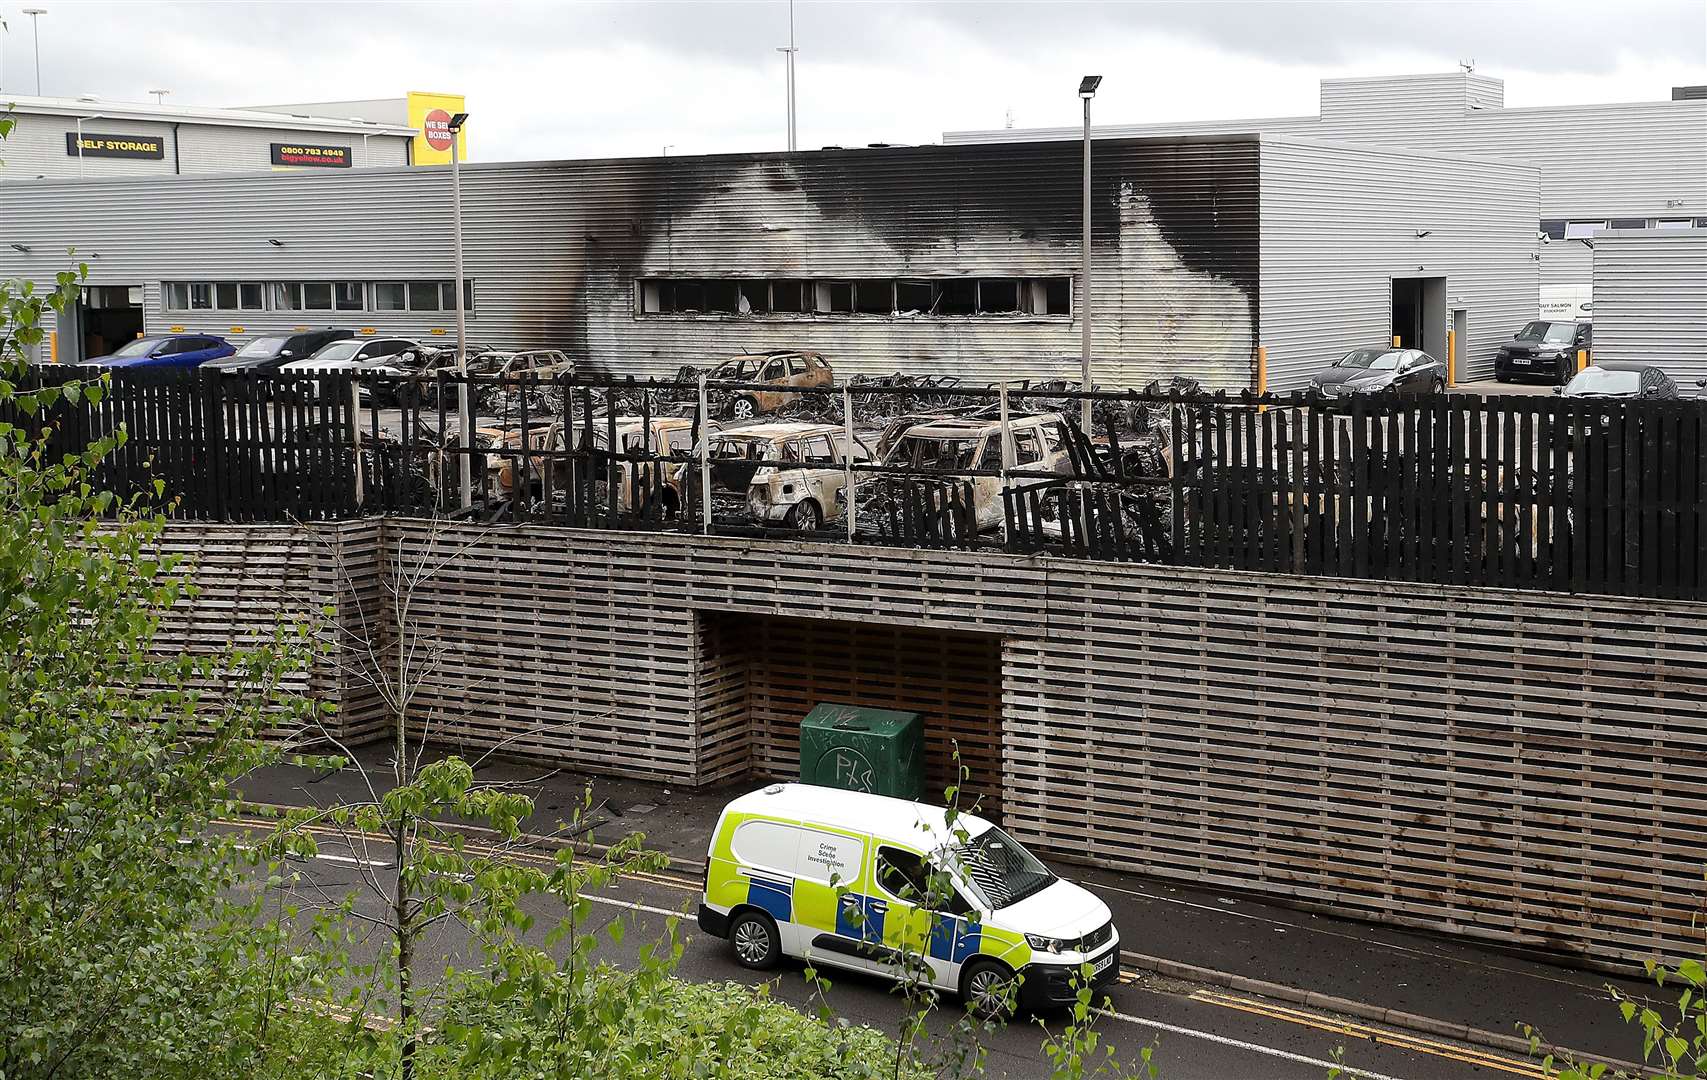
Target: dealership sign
[[117, 146], [320, 157]]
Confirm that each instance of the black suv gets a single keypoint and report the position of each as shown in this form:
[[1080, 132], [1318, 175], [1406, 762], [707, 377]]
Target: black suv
[[273, 350], [1544, 349]]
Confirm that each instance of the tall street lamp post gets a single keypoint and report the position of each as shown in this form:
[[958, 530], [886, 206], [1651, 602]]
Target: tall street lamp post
[[35, 32], [465, 422], [1087, 90]]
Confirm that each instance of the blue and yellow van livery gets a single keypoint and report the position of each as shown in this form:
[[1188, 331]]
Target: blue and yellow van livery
[[839, 878]]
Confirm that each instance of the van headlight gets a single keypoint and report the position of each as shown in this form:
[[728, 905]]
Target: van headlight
[[1048, 944]]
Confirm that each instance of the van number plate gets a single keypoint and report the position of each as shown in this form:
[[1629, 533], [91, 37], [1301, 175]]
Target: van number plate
[[1102, 965]]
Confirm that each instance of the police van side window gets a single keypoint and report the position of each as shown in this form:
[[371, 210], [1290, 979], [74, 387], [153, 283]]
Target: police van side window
[[766, 845], [902, 874]]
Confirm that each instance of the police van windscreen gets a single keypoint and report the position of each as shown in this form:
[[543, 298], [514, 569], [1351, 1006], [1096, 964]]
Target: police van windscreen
[[1000, 868]]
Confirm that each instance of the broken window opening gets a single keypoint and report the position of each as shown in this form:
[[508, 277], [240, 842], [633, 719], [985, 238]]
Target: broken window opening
[[874, 297], [957, 298], [836, 297], [913, 296], [755, 297], [790, 297], [881, 297], [1058, 296], [998, 296]]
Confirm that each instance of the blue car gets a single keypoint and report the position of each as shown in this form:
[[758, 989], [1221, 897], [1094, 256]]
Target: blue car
[[169, 350]]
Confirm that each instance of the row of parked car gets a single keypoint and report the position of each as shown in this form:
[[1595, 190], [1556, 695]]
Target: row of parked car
[[1544, 350], [319, 350]]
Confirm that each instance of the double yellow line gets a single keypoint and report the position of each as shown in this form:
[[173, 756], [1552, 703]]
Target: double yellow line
[[1380, 1036]]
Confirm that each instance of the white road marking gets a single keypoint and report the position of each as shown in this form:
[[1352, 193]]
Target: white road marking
[[631, 905], [1255, 1048]]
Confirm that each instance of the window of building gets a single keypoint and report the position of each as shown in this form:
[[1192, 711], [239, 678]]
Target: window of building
[[877, 297], [790, 296], [755, 298], [287, 296], [390, 296], [175, 295], [447, 295], [317, 296], [874, 297], [250, 296], [1629, 223], [423, 296], [913, 296], [225, 295], [1555, 230], [1673, 223], [956, 298], [1582, 230], [998, 297], [348, 295]]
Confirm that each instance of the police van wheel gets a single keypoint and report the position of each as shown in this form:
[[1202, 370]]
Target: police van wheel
[[986, 987], [754, 938]]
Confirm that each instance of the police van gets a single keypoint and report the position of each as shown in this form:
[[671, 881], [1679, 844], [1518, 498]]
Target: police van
[[842, 878]]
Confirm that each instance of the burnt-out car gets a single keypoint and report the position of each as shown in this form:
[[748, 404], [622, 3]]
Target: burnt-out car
[[791, 474], [956, 445], [781, 369]]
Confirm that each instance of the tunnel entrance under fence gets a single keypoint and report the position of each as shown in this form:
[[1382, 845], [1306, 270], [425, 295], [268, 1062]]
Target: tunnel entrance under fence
[[759, 675]]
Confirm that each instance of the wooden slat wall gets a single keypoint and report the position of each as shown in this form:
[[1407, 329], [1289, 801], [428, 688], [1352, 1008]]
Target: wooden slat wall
[[725, 733], [1519, 766], [253, 579]]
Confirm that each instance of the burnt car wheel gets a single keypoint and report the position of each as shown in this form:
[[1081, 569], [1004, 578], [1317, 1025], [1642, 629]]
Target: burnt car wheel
[[805, 517], [743, 408]]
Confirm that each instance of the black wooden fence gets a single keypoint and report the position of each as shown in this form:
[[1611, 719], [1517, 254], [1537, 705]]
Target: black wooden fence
[[1527, 492]]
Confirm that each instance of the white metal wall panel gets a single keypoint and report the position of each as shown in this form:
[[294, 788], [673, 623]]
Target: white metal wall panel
[[1338, 223], [1640, 159], [1650, 301], [37, 147], [210, 149]]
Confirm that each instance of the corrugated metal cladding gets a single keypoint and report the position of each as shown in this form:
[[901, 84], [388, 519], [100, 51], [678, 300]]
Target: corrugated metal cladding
[[555, 249], [1650, 301], [1642, 159], [36, 148], [1338, 227]]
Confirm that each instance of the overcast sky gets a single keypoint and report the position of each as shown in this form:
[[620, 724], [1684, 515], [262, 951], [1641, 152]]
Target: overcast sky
[[596, 79]]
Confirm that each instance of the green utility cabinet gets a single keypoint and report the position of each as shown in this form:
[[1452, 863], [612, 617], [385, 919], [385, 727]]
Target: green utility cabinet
[[875, 750]]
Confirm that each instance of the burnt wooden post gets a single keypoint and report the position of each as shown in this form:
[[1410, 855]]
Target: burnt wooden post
[[704, 449], [847, 459]]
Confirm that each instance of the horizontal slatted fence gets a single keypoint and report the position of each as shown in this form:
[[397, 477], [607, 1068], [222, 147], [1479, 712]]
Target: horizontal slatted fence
[[1522, 767]]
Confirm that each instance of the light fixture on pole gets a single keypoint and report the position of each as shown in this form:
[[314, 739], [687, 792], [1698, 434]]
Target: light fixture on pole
[[1087, 90], [80, 120], [789, 53], [35, 32], [465, 422]]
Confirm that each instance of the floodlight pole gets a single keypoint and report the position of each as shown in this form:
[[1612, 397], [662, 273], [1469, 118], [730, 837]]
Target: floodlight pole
[[789, 52], [35, 32], [465, 422], [1087, 90]]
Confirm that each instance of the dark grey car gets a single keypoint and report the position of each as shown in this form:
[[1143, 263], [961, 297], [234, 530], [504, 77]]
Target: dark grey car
[[1621, 381], [1372, 370], [270, 351], [1544, 349]]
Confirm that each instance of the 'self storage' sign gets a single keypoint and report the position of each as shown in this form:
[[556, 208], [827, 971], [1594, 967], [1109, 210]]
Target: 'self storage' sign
[[119, 146], [319, 157]]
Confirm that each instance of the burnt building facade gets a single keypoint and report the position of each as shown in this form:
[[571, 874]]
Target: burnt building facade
[[1207, 252]]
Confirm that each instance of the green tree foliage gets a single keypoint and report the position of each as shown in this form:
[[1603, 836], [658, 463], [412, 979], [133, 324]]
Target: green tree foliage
[[1674, 1037], [120, 953]]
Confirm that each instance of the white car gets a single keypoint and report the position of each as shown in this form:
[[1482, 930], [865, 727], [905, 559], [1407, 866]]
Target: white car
[[367, 354]]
